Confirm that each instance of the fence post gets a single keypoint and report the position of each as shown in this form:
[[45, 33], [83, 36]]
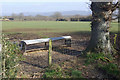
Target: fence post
[[50, 53], [118, 33]]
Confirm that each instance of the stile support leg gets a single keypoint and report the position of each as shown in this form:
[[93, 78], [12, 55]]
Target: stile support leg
[[45, 44], [23, 46], [68, 42]]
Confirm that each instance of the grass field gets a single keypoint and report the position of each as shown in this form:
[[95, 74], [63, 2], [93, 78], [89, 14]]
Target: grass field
[[48, 26]]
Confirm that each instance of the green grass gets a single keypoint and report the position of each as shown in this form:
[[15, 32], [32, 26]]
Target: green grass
[[110, 68], [52, 26], [114, 27], [93, 57], [56, 71]]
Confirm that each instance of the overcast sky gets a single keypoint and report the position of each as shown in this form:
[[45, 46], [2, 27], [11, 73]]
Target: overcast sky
[[24, 7]]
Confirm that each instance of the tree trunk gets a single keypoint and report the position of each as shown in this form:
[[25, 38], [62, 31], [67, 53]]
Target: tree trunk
[[101, 18], [119, 16]]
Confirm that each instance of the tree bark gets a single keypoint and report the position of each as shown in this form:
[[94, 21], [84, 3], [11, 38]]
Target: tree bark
[[101, 18], [119, 16]]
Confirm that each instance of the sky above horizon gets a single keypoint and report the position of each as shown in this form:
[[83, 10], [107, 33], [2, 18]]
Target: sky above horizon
[[44, 0], [31, 6], [24, 7]]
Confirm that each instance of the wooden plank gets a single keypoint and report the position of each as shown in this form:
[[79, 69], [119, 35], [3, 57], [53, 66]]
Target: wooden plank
[[28, 42], [24, 43]]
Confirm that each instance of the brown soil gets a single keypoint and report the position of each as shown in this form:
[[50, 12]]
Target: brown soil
[[36, 61], [35, 64]]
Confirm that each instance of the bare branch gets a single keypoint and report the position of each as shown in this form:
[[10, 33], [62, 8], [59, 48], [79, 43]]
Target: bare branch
[[116, 6]]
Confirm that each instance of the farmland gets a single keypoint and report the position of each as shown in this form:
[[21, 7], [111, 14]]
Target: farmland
[[48, 26], [65, 58]]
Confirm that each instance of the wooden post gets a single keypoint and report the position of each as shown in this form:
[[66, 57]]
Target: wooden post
[[50, 53], [45, 44], [118, 38], [23, 46], [65, 42], [68, 42], [119, 15]]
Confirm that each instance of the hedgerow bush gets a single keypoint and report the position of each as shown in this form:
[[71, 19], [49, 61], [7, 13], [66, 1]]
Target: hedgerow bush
[[10, 58]]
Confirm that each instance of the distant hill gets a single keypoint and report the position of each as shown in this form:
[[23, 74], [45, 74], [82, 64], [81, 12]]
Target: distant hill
[[73, 12], [82, 13]]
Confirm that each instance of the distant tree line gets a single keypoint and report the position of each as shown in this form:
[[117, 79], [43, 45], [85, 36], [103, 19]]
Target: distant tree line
[[57, 16]]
